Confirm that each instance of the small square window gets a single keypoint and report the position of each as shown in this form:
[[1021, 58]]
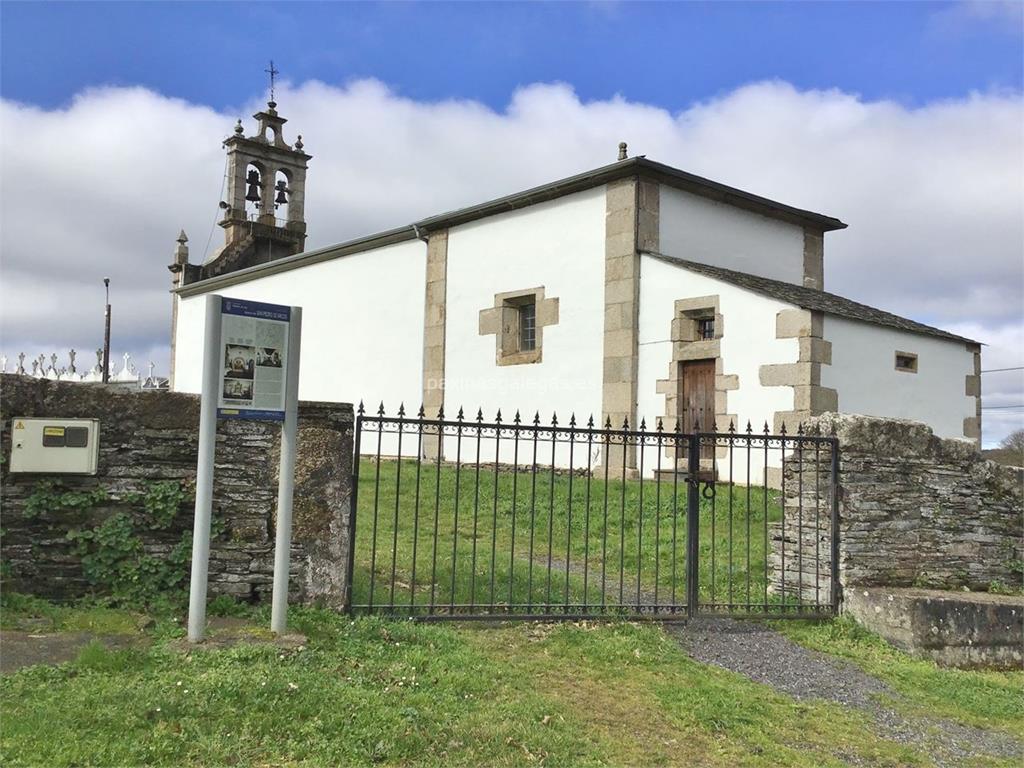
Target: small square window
[[518, 319], [705, 328], [527, 327], [906, 362]]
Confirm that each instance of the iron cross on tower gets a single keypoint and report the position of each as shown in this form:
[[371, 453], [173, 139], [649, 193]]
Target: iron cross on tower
[[273, 73]]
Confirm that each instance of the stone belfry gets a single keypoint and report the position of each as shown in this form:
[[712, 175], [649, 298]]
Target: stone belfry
[[264, 213]]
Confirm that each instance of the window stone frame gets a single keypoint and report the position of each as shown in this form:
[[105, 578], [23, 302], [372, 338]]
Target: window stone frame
[[912, 356], [502, 320]]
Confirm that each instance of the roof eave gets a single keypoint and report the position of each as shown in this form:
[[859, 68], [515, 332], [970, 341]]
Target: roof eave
[[368, 243]]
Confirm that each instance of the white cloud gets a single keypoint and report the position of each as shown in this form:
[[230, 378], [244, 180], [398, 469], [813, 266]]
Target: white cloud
[[934, 195], [958, 18]]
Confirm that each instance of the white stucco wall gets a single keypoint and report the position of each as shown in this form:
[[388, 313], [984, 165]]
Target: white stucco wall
[[362, 326], [748, 343], [863, 371], [559, 245], [702, 230]]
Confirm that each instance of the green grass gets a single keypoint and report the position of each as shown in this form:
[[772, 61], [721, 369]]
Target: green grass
[[397, 693], [15, 609], [506, 526], [985, 699]]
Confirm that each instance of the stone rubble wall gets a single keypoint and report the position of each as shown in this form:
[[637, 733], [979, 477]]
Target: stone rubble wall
[[800, 560], [153, 436], [915, 511]]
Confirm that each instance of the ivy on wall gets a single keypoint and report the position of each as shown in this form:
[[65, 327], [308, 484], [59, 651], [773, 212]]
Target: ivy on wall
[[113, 555], [51, 496]]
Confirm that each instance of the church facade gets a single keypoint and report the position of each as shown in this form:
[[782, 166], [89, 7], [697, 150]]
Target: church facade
[[634, 291]]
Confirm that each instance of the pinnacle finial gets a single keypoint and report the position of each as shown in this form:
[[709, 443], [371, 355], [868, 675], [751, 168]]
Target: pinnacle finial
[[622, 150], [239, 130], [182, 237]]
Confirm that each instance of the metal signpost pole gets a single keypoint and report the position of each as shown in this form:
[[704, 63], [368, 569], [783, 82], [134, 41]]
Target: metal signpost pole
[[204, 475], [286, 478], [106, 333]]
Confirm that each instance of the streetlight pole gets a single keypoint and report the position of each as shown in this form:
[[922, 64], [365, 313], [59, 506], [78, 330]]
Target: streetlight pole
[[106, 334]]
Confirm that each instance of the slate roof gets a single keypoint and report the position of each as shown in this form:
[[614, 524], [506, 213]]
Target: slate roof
[[630, 167], [812, 299], [634, 166]]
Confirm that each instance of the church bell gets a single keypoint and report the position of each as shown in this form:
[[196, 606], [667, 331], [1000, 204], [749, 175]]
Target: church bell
[[252, 194], [282, 193]]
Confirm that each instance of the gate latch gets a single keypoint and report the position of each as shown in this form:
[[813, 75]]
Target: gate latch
[[708, 491]]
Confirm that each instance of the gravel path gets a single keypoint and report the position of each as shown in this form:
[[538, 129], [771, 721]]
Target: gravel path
[[758, 652], [768, 657]]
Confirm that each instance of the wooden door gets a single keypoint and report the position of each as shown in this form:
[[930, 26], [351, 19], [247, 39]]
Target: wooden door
[[697, 398]]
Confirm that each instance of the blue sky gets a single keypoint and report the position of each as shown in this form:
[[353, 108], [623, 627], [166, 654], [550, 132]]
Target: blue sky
[[665, 54], [904, 119]]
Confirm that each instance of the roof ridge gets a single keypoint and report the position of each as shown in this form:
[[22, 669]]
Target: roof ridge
[[632, 166]]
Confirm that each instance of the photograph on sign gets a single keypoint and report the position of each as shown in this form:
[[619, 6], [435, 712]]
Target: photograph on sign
[[254, 364]]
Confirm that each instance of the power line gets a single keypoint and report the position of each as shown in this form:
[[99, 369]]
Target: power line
[[997, 407], [997, 370]]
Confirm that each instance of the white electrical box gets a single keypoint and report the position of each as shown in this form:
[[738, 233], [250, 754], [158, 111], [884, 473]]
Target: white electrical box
[[55, 446]]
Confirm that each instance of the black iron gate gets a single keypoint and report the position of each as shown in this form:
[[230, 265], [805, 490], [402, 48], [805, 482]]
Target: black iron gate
[[463, 519]]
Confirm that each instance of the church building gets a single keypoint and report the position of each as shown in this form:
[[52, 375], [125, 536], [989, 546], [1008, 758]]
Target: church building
[[633, 291]]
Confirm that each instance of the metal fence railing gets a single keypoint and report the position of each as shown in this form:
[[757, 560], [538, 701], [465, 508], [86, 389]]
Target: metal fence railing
[[466, 518]]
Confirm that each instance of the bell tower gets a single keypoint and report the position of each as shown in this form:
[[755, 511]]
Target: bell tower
[[264, 213]]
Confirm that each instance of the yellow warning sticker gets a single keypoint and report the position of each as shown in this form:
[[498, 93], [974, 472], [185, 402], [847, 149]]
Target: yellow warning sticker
[[53, 431], [19, 425]]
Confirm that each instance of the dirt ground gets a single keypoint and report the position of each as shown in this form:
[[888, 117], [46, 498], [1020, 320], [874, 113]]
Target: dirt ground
[[23, 649]]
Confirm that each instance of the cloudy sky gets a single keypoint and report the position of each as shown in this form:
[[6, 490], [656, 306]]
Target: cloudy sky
[[905, 120]]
